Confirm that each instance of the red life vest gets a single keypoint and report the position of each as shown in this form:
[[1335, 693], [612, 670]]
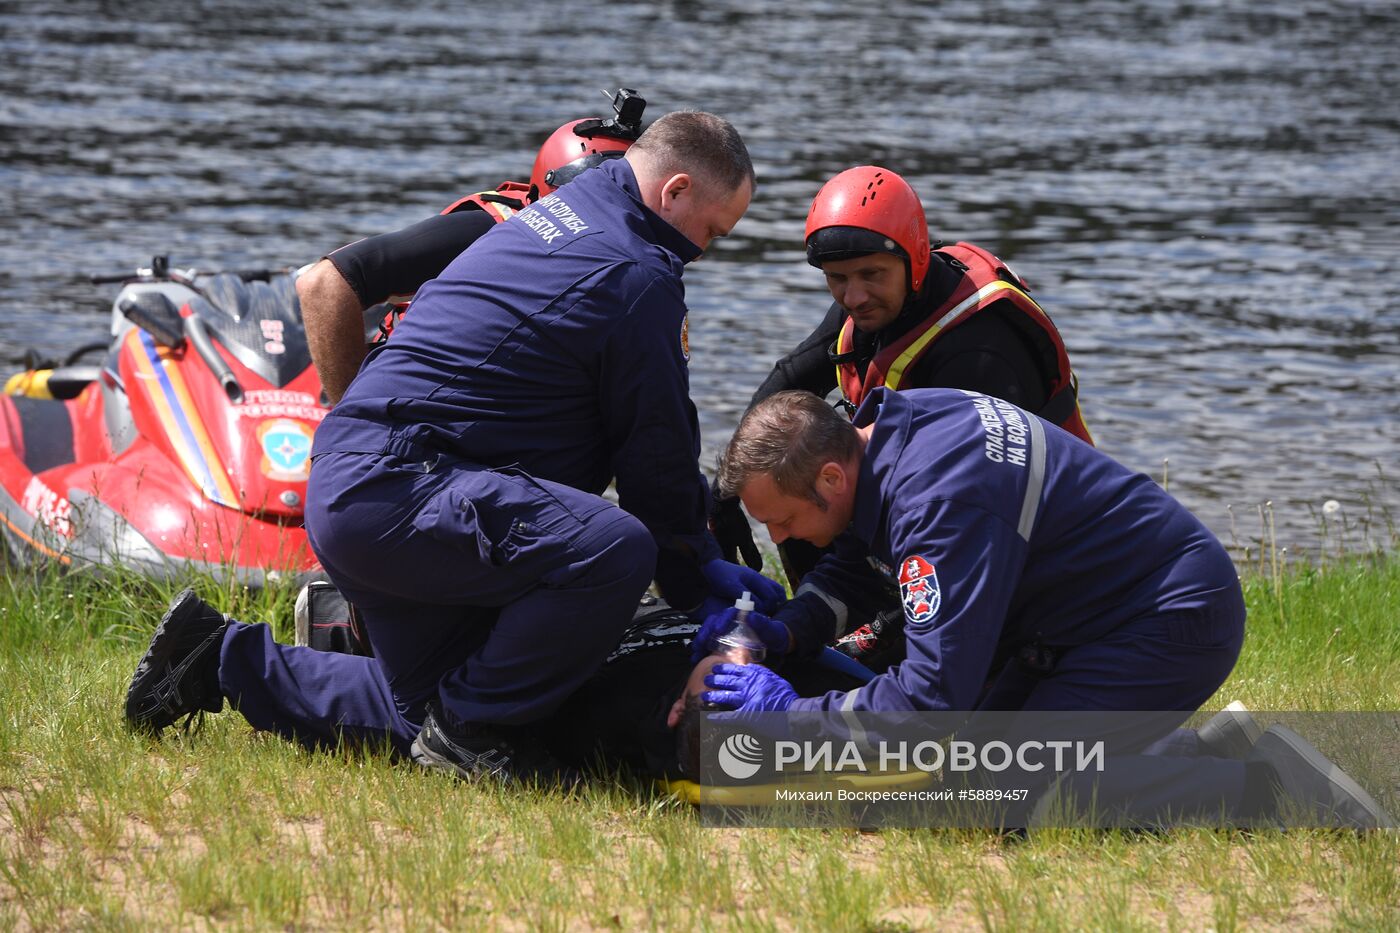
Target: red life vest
[[987, 280], [502, 203], [508, 198]]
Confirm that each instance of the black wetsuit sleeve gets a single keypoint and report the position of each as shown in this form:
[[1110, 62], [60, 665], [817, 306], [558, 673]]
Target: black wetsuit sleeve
[[398, 263], [988, 354], [807, 366]]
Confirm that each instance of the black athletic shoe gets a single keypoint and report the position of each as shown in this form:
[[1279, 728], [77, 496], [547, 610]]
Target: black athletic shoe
[[1315, 789], [477, 751], [1230, 733], [179, 676]]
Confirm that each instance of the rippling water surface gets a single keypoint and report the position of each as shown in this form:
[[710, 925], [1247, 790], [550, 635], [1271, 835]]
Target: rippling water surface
[[1203, 196]]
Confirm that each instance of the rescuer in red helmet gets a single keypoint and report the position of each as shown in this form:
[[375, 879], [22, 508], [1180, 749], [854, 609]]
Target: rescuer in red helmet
[[574, 147], [338, 292], [913, 314], [909, 314]]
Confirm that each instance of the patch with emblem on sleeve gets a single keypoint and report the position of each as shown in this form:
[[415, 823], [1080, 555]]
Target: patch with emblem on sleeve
[[685, 337], [918, 587]]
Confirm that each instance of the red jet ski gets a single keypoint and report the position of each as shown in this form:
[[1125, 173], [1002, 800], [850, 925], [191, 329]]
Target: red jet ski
[[188, 448]]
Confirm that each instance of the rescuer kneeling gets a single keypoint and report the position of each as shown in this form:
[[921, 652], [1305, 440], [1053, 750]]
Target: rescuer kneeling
[[1036, 575]]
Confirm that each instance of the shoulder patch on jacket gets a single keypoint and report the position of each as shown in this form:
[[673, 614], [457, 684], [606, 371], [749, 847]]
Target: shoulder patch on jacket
[[918, 588]]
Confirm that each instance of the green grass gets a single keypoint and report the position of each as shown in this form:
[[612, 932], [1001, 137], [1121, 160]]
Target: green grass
[[102, 829]]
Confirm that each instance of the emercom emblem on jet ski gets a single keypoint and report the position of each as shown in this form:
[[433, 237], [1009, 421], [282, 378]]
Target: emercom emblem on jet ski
[[287, 449]]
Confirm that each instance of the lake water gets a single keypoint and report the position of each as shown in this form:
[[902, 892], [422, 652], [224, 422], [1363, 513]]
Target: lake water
[[1203, 195]]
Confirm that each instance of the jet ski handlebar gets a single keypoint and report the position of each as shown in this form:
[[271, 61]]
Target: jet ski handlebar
[[160, 270], [157, 315], [198, 335]]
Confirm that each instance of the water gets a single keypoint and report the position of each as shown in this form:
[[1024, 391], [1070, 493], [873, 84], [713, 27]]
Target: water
[[1202, 195]]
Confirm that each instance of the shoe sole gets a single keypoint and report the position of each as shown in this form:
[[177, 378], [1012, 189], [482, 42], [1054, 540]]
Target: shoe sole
[[1301, 750], [1230, 733], [154, 662]]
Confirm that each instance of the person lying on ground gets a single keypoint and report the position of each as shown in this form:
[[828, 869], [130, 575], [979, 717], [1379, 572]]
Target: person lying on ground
[[627, 716]]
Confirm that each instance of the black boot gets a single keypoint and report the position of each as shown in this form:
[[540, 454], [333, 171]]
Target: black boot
[[179, 675]]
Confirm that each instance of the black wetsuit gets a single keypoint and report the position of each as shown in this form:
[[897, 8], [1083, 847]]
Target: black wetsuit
[[399, 263]]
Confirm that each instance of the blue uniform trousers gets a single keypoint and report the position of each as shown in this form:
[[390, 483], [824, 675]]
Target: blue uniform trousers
[[493, 592], [1166, 666], [313, 697]]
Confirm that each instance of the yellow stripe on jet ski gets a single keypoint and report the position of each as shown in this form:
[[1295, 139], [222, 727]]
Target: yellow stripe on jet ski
[[176, 409]]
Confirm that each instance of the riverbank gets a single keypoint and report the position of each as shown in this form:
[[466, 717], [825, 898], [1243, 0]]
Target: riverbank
[[230, 828]]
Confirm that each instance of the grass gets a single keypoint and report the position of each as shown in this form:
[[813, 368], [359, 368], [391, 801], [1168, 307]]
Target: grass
[[102, 829]]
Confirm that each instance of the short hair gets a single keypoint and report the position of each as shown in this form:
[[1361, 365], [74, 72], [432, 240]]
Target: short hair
[[697, 143], [787, 436]]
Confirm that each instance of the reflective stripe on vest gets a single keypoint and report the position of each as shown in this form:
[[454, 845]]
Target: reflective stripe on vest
[[501, 211], [948, 319]]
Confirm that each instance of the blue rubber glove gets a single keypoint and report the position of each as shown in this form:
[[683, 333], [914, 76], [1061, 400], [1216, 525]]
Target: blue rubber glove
[[748, 688], [771, 632], [731, 581]]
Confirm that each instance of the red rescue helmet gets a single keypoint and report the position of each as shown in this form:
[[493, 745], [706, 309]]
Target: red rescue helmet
[[867, 210], [575, 146]]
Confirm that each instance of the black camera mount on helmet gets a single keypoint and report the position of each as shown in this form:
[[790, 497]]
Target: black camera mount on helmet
[[627, 124]]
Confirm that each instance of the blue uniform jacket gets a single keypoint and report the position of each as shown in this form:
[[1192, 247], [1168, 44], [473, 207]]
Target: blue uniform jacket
[[557, 342], [1001, 530]]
